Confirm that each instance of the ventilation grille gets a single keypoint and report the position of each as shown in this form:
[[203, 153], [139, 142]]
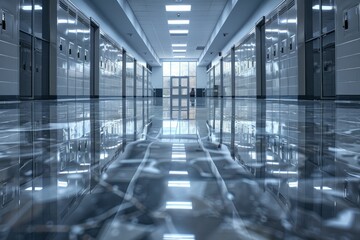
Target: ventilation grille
[[283, 10], [72, 13], [63, 5], [200, 48], [291, 4], [274, 18]]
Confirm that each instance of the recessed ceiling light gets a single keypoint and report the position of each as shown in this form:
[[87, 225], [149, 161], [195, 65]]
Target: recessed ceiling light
[[178, 8], [178, 22], [179, 45], [179, 50], [179, 31]]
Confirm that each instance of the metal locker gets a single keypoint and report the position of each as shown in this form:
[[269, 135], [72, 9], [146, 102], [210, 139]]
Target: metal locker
[[283, 51], [269, 57], [351, 21], [25, 68], [72, 35], [292, 48], [275, 54], [87, 59], [79, 84], [101, 66], [62, 49]]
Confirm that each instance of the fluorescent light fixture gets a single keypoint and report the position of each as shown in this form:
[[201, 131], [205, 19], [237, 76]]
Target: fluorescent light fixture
[[179, 237], [66, 21], [176, 155], [178, 22], [178, 8], [178, 173], [293, 184], [179, 50], [179, 184], [324, 7], [34, 189], [285, 172], [179, 205], [273, 163], [62, 184], [78, 31], [179, 31], [179, 56], [74, 172], [289, 20], [324, 188], [85, 164], [179, 45], [29, 8]]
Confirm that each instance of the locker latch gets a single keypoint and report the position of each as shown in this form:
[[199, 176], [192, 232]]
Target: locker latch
[[3, 21], [78, 54], [69, 51], [346, 21]]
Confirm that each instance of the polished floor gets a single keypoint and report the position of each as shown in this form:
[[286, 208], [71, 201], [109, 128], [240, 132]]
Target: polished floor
[[184, 169]]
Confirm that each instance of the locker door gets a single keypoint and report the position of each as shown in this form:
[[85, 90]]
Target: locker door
[[25, 69]]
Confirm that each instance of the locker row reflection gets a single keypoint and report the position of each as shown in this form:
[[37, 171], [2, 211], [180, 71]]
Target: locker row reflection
[[287, 148]]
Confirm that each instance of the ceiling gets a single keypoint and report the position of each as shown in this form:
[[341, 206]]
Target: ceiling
[[153, 18], [143, 24]]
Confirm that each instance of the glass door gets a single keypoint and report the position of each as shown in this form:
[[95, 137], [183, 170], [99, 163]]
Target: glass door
[[179, 97]]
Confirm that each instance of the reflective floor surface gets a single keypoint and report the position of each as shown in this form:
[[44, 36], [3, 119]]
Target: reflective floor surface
[[184, 169]]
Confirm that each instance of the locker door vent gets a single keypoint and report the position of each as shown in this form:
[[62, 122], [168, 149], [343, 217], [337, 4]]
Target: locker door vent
[[83, 21], [72, 13], [63, 5], [291, 4], [274, 18], [283, 10]]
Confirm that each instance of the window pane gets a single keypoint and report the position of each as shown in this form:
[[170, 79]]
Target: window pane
[[184, 68], [192, 82], [166, 92], [166, 68], [166, 83], [192, 69], [175, 71]]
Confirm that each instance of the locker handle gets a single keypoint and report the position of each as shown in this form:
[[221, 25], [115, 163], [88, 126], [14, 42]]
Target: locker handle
[[291, 46], [346, 21], [78, 54], [69, 51], [85, 58], [282, 49], [61, 47], [3, 22]]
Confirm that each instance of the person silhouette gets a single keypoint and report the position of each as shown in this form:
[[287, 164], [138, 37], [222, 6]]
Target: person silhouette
[[192, 92]]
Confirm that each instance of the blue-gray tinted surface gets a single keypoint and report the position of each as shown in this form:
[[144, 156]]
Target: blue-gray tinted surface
[[150, 169]]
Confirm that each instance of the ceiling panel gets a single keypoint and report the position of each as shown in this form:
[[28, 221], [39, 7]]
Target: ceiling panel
[[153, 18]]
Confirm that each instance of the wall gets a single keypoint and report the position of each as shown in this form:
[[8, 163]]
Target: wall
[[9, 49], [202, 77], [157, 77]]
